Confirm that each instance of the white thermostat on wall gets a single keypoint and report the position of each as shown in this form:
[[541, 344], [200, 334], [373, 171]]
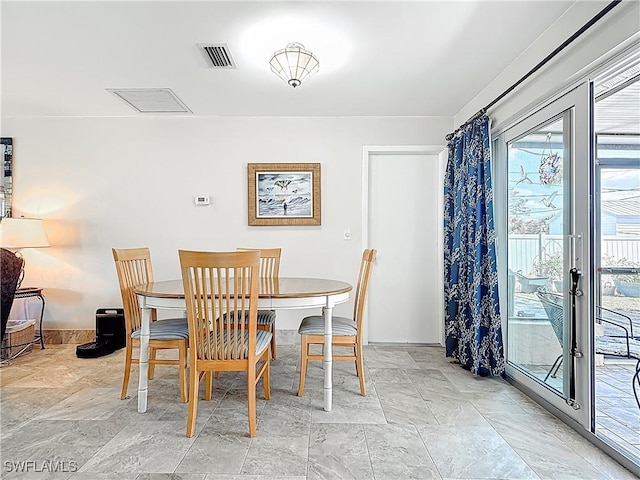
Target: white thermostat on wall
[[202, 200]]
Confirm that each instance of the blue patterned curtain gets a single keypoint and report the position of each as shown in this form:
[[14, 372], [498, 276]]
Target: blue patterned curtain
[[472, 317]]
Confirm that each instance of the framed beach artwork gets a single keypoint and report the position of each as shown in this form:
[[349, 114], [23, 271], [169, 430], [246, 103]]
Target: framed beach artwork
[[284, 193]]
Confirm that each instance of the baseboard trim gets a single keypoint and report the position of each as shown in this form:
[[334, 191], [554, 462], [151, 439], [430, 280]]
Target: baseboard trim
[[59, 337]]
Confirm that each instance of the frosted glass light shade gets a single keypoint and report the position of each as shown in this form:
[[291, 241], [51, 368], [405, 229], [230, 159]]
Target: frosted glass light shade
[[17, 233], [293, 64]]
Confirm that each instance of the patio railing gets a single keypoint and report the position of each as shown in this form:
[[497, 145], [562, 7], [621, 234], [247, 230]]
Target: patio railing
[[526, 249]]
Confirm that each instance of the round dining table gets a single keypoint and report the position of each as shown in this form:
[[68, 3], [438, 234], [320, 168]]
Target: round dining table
[[283, 293]]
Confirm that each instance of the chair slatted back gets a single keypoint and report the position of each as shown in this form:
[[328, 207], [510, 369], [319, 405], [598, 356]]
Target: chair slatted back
[[133, 266], [269, 260], [366, 267], [221, 285]]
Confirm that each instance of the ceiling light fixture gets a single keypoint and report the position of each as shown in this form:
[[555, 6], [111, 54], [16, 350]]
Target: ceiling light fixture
[[293, 64]]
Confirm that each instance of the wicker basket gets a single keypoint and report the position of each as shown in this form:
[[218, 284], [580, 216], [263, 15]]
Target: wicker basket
[[18, 339]]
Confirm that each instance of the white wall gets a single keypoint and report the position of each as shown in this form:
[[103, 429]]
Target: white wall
[[126, 182], [619, 28]]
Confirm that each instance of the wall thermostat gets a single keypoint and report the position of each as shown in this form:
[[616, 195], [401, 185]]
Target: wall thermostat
[[202, 200]]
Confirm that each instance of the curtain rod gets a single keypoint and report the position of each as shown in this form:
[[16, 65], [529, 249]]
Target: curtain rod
[[543, 62]]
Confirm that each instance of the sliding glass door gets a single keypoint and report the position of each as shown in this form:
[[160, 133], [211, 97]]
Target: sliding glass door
[[543, 164], [537, 229], [567, 182], [617, 260]]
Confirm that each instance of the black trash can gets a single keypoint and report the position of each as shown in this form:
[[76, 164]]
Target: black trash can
[[110, 328], [110, 334]]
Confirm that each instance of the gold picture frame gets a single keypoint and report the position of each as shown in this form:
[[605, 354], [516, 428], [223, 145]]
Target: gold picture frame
[[283, 193]]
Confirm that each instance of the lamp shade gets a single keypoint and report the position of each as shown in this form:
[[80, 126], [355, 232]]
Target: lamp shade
[[16, 233], [293, 64]]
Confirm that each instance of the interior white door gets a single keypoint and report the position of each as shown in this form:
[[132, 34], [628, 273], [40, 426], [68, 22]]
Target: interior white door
[[404, 224]]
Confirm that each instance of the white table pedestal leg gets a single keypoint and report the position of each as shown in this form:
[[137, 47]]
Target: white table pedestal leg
[[143, 366], [328, 352]]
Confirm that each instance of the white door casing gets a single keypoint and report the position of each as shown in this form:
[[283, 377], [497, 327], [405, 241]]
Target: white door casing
[[402, 219]]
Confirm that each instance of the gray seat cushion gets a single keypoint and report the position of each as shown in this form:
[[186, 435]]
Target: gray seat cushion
[[265, 317], [314, 325], [167, 329], [263, 340]]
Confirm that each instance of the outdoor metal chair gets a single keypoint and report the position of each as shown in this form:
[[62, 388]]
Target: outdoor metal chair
[[626, 345], [552, 304]]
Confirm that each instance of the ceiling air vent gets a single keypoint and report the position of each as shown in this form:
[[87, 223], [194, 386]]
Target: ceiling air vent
[[218, 55], [151, 100]]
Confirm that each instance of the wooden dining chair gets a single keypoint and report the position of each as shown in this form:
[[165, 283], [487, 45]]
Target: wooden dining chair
[[269, 269], [134, 268], [224, 285], [347, 332]]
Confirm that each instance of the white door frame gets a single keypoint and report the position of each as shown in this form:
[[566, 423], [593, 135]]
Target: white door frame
[[369, 150]]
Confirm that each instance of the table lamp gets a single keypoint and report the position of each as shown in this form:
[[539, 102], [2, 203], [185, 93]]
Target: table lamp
[[19, 233]]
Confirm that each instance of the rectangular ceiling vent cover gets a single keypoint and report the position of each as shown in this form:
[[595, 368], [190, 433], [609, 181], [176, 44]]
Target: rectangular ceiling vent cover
[[217, 55], [151, 100]]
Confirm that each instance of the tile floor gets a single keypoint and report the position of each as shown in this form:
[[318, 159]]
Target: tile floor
[[617, 414], [423, 417]]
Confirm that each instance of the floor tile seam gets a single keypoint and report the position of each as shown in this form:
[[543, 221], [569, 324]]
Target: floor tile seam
[[366, 442], [96, 453], [246, 453], [415, 390], [433, 413], [187, 450], [271, 438], [426, 447], [586, 457], [598, 466], [513, 448], [308, 466], [13, 430], [416, 384]]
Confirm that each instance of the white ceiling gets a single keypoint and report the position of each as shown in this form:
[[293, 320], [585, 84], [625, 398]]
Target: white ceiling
[[419, 58]]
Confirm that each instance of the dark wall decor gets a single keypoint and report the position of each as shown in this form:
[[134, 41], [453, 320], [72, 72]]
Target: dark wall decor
[[6, 187]]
